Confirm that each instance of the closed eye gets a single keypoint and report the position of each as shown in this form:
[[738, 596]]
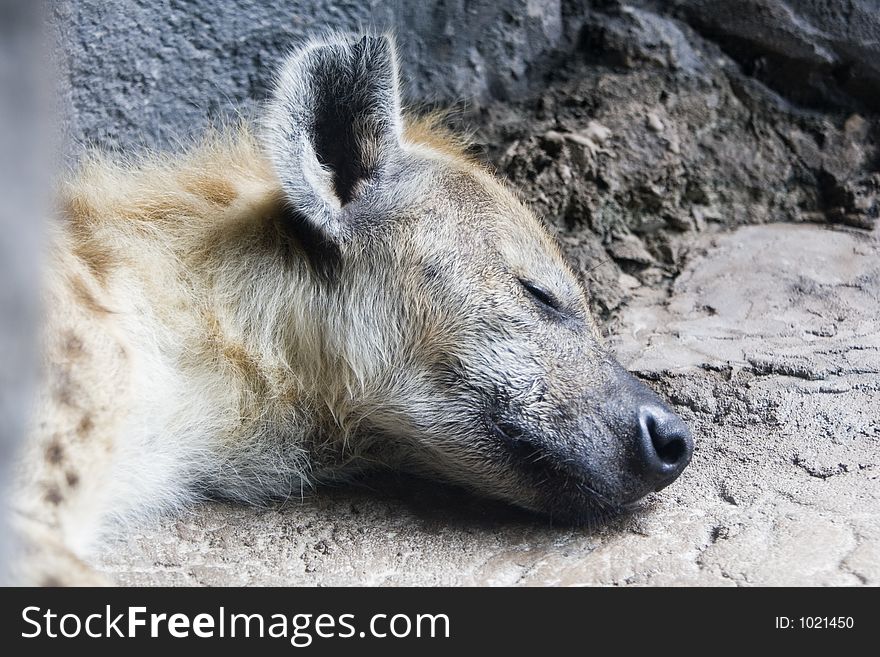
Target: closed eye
[[542, 296]]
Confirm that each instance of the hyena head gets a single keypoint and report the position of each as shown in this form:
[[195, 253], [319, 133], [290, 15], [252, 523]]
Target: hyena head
[[466, 339]]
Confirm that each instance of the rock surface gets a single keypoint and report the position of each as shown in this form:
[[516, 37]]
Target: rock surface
[[819, 52], [768, 344], [652, 135]]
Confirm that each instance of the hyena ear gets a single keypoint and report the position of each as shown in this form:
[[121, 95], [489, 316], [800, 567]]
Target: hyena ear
[[333, 124]]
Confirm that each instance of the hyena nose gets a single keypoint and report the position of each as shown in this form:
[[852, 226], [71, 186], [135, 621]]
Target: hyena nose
[[665, 445]]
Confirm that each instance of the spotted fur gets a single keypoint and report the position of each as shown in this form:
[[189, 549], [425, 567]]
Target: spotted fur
[[282, 306]]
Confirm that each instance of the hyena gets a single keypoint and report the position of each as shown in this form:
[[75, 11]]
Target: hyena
[[339, 287]]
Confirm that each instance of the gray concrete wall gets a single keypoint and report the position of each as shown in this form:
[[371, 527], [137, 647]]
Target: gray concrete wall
[[24, 181], [151, 71]]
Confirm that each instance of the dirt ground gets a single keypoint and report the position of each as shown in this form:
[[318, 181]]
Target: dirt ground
[[767, 343]]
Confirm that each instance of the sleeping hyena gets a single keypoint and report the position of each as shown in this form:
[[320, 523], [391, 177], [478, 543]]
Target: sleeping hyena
[[343, 288]]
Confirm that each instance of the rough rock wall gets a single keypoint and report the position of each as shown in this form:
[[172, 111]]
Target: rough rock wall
[[818, 52], [628, 126], [651, 133], [23, 184], [147, 71]]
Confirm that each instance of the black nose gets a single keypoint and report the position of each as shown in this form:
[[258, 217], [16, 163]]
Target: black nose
[[665, 445]]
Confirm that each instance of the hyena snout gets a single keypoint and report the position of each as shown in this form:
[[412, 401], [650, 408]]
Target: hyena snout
[[663, 445], [597, 455], [624, 443]]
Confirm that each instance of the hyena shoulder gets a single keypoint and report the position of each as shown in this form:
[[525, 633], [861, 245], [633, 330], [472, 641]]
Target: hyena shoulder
[[133, 266]]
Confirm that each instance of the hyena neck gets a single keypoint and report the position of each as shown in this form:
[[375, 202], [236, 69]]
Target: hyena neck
[[320, 377], [281, 323], [193, 250]]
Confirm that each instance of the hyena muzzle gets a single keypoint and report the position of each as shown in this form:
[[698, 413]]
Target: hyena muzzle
[[346, 288]]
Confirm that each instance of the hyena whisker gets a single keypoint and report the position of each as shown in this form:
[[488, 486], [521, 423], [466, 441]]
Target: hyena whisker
[[597, 265]]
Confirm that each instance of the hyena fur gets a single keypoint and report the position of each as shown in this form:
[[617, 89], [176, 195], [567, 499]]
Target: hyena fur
[[340, 287]]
